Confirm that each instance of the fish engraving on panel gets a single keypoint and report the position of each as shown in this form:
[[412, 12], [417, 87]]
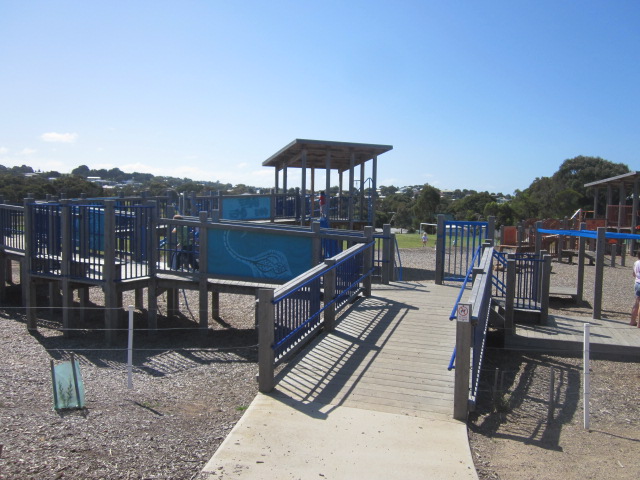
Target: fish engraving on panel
[[268, 264]]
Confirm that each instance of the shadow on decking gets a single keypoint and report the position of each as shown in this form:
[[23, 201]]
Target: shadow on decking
[[329, 370]]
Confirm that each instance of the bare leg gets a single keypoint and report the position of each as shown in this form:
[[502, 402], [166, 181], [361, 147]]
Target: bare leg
[[634, 312]]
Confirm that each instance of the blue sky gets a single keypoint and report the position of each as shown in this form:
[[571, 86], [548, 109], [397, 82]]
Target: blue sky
[[479, 95]]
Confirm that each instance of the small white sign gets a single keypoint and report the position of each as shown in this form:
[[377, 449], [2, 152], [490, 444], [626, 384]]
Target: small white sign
[[463, 313]]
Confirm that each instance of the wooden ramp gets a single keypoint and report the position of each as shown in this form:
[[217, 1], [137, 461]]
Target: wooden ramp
[[373, 399], [389, 354], [564, 334]]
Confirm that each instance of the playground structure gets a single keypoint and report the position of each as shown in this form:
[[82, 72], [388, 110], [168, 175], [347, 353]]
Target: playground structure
[[353, 209], [620, 216], [119, 245]]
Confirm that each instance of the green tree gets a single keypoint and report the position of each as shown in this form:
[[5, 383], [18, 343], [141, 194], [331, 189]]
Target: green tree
[[471, 207], [426, 205]]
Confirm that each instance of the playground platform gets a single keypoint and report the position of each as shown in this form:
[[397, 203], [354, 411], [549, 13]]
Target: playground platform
[[562, 334], [373, 399]]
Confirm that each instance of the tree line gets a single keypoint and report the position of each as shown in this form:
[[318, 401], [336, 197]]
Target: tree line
[[547, 197]]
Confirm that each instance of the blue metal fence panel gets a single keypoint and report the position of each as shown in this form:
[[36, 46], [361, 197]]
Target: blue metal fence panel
[[46, 239], [348, 273], [12, 227], [460, 241], [528, 279], [296, 315]]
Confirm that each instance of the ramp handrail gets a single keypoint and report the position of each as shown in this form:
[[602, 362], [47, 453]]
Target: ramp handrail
[[289, 315], [480, 300]]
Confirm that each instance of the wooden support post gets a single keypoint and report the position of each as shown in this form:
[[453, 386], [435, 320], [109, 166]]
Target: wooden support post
[[172, 302], [303, 188], [491, 229], [374, 188], [509, 308], [215, 305], [634, 216], [316, 244], [538, 237], [622, 200], [582, 242], [440, 233], [386, 254], [65, 267], [266, 334], [203, 261], [544, 289], [368, 261], [350, 198], [138, 298], [519, 235], [329, 294], [392, 258], [4, 261], [462, 370], [109, 273], [561, 239], [599, 274], [614, 253]]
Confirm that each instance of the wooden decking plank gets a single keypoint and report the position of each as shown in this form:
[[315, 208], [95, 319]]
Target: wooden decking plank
[[390, 353]]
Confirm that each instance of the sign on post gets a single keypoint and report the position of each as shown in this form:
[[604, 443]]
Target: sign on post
[[464, 312]]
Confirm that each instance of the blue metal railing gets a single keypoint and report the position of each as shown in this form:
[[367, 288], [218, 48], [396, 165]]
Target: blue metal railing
[[298, 310], [480, 298], [85, 234], [463, 287], [397, 265], [12, 228], [459, 242], [529, 268]]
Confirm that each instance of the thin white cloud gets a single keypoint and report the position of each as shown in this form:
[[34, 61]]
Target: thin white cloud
[[4, 150], [28, 151], [59, 137]]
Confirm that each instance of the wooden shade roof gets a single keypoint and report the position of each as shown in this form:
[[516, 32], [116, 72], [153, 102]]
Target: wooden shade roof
[[291, 155], [625, 178]]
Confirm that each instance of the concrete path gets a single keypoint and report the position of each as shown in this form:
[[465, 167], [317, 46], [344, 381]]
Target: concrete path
[[371, 400]]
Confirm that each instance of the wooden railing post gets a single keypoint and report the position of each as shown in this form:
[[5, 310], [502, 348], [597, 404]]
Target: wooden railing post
[[491, 229], [28, 286], [463, 364], [266, 326], [582, 242], [203, 260], [599, 273], [109, 272], [392, 258], [509, 308], [387, 261], [367, 261], [440, 233], [316, 248], [546, 283], [65, 266], [329, 294], [538, 237]]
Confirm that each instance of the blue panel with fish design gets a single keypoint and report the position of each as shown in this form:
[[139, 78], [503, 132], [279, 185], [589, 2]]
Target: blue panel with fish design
[[258, 255], [246, 208]]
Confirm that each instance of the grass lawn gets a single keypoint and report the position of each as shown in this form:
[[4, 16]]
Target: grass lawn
[[413, 240]]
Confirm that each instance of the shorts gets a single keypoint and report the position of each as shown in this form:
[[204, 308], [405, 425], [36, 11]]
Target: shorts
[[637, 289]]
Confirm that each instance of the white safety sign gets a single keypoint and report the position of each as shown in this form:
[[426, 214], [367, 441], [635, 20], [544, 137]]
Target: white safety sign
[[463, 313]]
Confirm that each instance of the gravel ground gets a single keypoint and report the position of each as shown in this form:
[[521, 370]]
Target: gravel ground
[[191, 387]]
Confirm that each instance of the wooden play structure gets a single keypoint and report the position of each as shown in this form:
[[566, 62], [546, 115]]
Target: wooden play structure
[[218, 244], [352, 207]]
